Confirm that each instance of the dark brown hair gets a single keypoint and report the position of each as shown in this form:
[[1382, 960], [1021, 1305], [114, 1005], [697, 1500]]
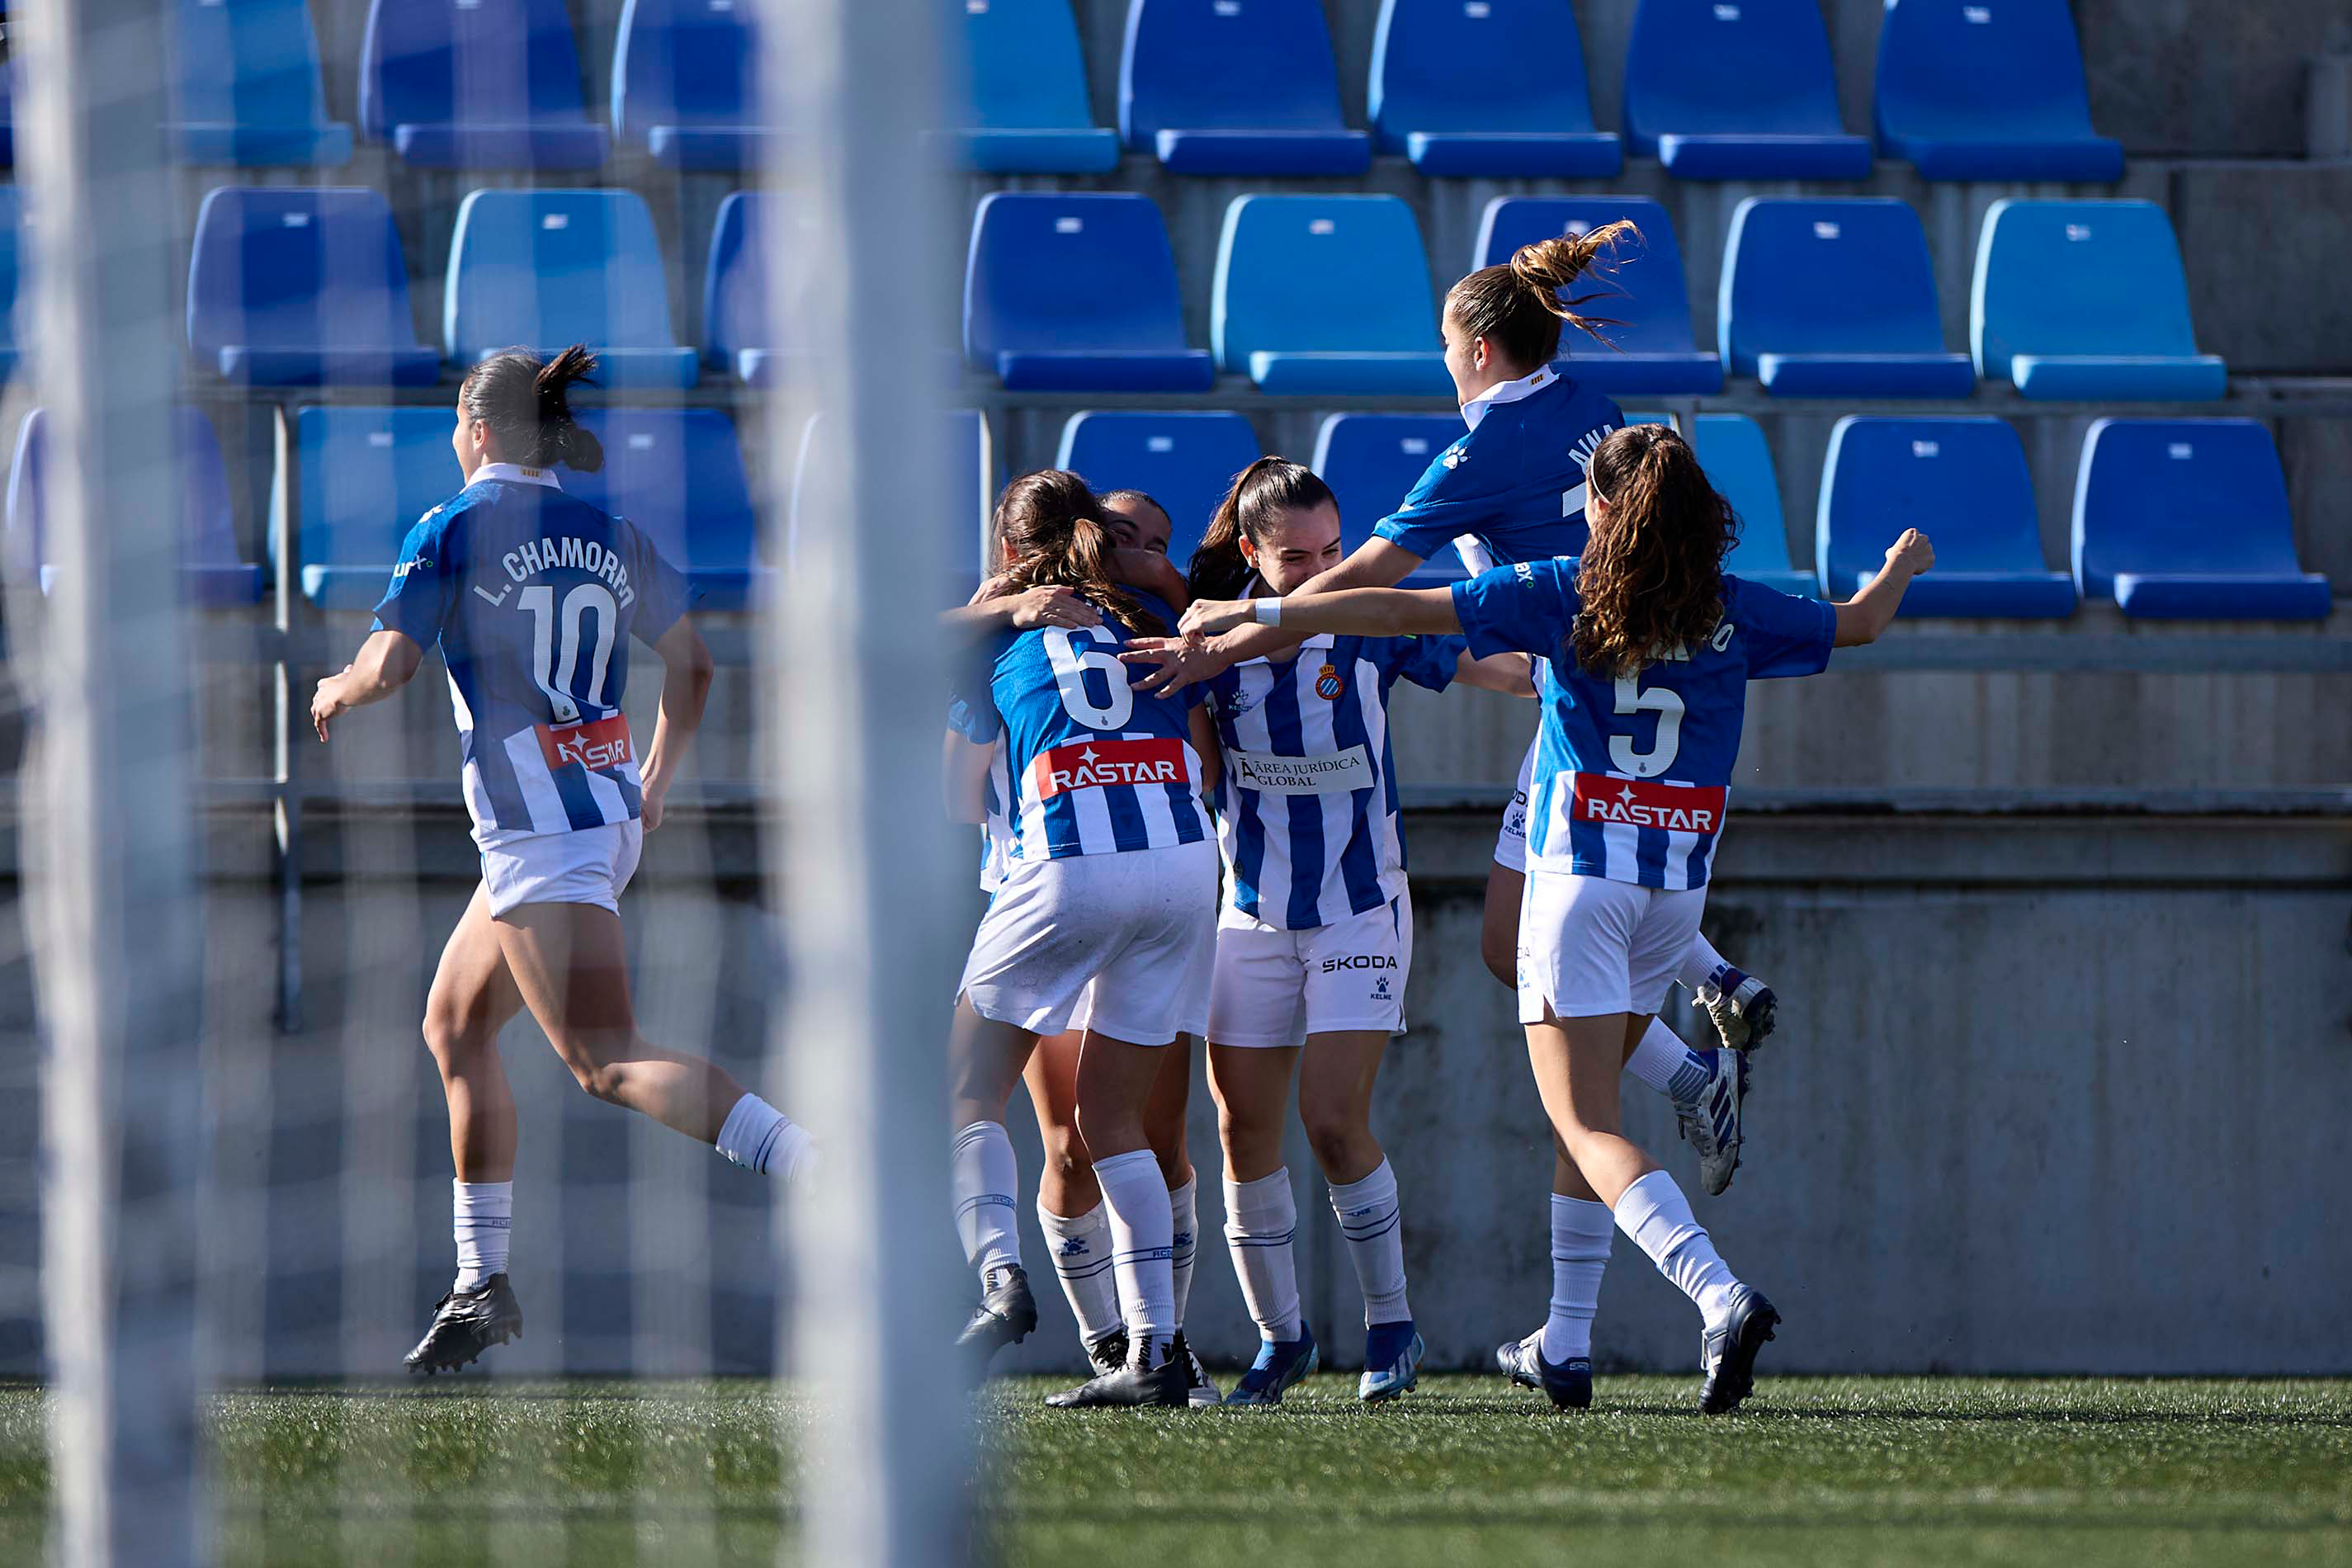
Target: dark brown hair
[[525, 402], [1651, 576], [1254, 503], [1517, 306], [1047, 532]]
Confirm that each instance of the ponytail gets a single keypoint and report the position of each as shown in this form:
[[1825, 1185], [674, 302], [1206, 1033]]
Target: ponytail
[[1519, 305], [527, 404], [1047, 534], [1651, 579], [1253, 504]]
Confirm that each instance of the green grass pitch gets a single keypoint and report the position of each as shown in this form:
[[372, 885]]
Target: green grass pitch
[[1815, 1471]]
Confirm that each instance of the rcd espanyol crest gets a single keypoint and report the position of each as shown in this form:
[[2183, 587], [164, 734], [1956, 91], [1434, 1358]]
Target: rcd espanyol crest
[[1328, 684]]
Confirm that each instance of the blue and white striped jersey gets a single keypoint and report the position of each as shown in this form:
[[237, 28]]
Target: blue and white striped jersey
[[1307, 813], [1090, 765], [1632, 771], [1512, 489], [533, 595]]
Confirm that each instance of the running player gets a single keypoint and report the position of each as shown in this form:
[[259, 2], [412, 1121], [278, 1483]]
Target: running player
[[1109, 884], [1648, 646], [1513, 489], [1314, 937], [532, 596]]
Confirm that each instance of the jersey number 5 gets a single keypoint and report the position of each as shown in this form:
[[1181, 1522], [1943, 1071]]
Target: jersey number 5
[[1668, 706], [557, 670], [1070, 668]]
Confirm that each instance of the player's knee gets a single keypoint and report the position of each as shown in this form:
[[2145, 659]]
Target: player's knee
[[453, 1039], [1337, 1135], [1108, 1127], [1065, 1151]]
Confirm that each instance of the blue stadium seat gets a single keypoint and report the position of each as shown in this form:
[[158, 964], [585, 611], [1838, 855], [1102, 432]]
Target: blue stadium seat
[[739, 333], [1027, 91], [7, 114], [685, 83], [1732, 450], [1738, 91], [246, 87], [1652, 348], [544, 269], [1077, 293], [1186, 461], [1990, 91], [2188, 520], [1235, 86], [678, 474], [970, 475], [212, 572], [303, 288], [1371, 461], [1326, 294], [1834, 297], [11, 268], [366, 475], [1522, 113], [1963, 482], [477, 84], [2087, 301]]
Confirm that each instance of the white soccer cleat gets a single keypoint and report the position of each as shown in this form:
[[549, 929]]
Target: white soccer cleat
[[1709, 1123], [1741, 1006]]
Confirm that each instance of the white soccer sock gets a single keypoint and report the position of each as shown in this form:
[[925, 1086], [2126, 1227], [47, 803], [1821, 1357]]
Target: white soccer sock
[[1701, 964], [1581, 1231], [1082, 1261], [759, 1137], [1143, 1234], [1261, 1218], [1370, 1219], [982, 1178], [1181, 1206], [1656, 1215], [1668, 1065], [484, 1215]]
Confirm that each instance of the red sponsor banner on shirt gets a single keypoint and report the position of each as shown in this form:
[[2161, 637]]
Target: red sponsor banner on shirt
[[1092, 765], [1646, 803], [599, 744]]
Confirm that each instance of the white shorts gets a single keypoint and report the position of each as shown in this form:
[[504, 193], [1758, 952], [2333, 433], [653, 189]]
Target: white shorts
[[1274, 988], [586, 866], [1589, 946], [1140, 925], [1511, 844], [1195, 1021]]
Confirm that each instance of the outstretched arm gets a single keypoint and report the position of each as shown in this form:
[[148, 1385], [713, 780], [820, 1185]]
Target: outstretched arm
[[383, 665], [1375, 563], [1512, 674], [1863, 618], [1354, 612], [686, 686]]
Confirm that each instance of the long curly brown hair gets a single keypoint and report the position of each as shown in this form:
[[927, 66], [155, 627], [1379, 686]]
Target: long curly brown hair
[[1651, 579], [1047, 532]]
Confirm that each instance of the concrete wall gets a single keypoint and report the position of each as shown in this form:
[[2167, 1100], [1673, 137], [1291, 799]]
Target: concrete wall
[[2041, 1102]]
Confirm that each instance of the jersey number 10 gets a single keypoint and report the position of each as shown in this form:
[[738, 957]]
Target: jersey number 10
[[557, 668]]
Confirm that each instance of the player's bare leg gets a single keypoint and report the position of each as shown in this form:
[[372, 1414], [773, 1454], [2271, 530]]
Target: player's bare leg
[[1069, 1204]]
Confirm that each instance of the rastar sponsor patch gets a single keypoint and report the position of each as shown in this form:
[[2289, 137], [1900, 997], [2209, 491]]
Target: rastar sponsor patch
[[1645, 802], [1096, 764], [596, 745]]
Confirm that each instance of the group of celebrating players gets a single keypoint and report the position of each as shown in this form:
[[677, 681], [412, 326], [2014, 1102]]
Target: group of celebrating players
[[1190, 809]]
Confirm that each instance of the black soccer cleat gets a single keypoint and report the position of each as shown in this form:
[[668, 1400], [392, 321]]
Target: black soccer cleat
[[1108, 1354], [1005, 1315], [465, 1325], [1569, 1384], [1728, 1351], [1131, 1385]]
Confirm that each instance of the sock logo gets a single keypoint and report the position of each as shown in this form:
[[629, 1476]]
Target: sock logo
[[1074, 1247]]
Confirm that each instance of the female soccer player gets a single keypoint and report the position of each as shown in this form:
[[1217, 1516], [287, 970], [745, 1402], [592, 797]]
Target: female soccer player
[[1315, 938], [1513, 489], [1110, 885], [532, 596], [1649, 646]]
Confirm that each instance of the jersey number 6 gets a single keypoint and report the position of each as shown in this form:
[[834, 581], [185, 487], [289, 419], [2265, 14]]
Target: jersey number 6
[[1070, 668], [558, 671], [1668, 706]]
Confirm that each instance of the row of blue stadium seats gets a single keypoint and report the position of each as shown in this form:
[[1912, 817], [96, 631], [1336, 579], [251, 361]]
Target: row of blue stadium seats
[[2144, 537], [1492, 88], [1828, 297]]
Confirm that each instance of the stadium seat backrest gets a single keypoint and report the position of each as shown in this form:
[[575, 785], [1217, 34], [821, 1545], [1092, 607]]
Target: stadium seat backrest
[[2077, 278], [1026, 70], [367, 476], [12, 264], [1050, 270], [678, 474], [1739, 462], [1185, 461], [284, 267], [684, 62], [969, 479], [548, 268], [207, 522], [2180, 496], [735, 314], [1528, 73], [1729, 67], [1981, 69], [1371, 460], [1962, 481], [1846, 275], [253, 62], [488, 62], [1242, 65], [1320, 274], [1640, 287]]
